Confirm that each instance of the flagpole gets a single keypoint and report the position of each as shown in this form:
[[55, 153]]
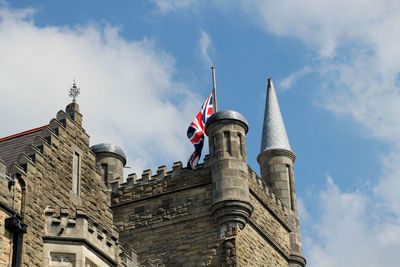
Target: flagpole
[[214, 89]]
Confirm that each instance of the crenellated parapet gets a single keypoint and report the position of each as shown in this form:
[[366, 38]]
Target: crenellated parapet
[[267, 191], [162, 173], [166, 211], [63, 227], [161, 182]]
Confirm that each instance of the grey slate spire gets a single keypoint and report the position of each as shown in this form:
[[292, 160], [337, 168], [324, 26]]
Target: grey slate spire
[[274, 133]]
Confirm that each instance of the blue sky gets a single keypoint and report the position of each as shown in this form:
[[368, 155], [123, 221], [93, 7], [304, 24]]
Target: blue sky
[[144, 69]]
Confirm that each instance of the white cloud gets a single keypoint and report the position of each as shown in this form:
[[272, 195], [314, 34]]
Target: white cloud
[[303, 213], [166, 6], [389, 184], [204, 44], [288, 82], [323, 24], [352, 231], [128, 93]]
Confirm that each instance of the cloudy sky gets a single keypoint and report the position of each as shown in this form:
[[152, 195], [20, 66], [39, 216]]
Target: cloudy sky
[[144, 69]]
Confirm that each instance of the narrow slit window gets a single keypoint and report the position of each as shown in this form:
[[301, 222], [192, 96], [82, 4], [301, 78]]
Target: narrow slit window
[[288, 172], [240, 145], [76, 173], [104, 168], [227, 138]]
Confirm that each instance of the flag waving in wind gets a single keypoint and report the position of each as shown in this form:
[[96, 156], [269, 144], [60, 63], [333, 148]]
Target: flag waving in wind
[[196, 131]]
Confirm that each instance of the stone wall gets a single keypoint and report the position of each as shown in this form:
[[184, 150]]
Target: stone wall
[[11, 194], [191, 242], [5, 238], [166, 218], [8, 188], [79, 231], [269, 217], [46, 167], [265, 240], [254, 250]]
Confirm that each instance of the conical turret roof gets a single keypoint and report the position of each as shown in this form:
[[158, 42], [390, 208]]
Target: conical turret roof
[[274, 133]]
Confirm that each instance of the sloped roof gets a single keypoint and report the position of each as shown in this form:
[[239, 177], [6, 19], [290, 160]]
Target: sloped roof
[[12, 146]]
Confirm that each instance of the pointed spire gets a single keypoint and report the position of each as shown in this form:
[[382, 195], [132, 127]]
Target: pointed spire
[[274, 133]]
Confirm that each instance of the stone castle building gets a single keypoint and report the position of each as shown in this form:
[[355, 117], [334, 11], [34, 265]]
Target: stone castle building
[[65, 203]]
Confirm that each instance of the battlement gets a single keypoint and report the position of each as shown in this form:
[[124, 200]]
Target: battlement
[[178, 178], [147, 178], [162, 173], [267, 190], [79, 211], [80, 227]]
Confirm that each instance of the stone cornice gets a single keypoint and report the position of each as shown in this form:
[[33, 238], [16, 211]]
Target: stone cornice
[[276, 153], [80, 241]]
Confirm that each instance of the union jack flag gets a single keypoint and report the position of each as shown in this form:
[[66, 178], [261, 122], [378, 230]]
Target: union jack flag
[[196, 131]]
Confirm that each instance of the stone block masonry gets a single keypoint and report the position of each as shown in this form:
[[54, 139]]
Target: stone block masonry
[[46, 169], [79, 212], [5, 240], [72, 231], [166, 218]]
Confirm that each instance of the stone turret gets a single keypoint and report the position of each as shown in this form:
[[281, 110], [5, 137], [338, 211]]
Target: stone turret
[[276, 158], [230, 190], [110, 162], [276, 161]]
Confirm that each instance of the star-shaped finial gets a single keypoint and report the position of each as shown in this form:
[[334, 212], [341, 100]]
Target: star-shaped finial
[[74, 92]]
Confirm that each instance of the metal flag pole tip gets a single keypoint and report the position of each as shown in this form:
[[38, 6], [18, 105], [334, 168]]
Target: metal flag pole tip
[[214, 89]]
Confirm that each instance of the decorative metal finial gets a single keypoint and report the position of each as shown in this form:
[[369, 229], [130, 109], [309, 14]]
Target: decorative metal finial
[[74, 91]]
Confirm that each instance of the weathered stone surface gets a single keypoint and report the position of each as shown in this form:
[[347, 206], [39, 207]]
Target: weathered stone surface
[[45, 179], [277, 172], [253, 250], [5, 240], [268, 223], [231, 205], [221, 214], [167, 220], [189, 217]]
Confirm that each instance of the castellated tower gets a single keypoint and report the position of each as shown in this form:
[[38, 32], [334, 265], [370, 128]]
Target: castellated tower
[[230, 196], [64, 203], [220, 214], [276, 161]]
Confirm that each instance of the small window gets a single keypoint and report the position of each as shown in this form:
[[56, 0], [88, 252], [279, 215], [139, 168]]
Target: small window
[[104, 169], [227, 137], [76, 173], [241, 145], [289, 180]]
